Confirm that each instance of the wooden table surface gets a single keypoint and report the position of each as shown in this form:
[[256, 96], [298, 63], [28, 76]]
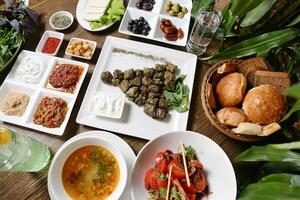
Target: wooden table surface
[[15, 185]]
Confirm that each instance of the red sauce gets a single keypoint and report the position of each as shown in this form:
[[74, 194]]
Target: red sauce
[[51, 45]]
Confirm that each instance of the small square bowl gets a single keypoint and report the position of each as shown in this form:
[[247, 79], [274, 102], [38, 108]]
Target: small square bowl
[[93, 43], [46, 35]]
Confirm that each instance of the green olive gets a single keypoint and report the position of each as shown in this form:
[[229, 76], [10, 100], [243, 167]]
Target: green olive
[[171, 12], [180, 14], [176, 7], [169, 2], [167, 7], [184, 10]]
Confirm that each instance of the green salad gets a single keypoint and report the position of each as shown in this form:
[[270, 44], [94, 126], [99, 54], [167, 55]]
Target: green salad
[[112, 14]]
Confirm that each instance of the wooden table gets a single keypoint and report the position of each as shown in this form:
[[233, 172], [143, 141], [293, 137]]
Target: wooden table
[[15, 185]]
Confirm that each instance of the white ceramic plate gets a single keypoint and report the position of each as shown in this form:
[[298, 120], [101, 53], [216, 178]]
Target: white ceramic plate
[[220, 173], [37, 91], [134, 121], [154, 17], [85, 24], [124, 148]]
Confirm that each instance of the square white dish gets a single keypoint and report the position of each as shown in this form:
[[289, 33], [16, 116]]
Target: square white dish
[[133, 121], [82, 57], [154, 16], [37, 91], [44, 38]]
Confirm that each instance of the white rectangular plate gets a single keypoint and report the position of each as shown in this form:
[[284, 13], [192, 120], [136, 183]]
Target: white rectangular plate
[[37, 91], [134, 121], [154, 17]]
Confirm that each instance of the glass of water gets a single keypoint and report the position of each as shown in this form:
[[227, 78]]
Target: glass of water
[[21, 153], [205, 26]]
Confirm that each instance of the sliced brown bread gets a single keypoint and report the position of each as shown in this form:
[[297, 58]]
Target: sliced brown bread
[[280, 80], [250, 66]]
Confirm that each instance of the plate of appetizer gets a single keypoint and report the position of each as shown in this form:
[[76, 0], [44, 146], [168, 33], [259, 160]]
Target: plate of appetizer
[[155, 82], [98, 15], [40, 91], [183, 165], [244, 99], [164, 21]]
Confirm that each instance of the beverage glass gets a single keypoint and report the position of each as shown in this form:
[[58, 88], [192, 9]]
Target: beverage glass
[[205, 26], [22, 153]]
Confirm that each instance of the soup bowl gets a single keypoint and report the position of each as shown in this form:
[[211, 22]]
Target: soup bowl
[[55, 182]]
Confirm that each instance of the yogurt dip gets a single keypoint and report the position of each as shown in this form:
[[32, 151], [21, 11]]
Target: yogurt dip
[[107, 105], [30, 70]]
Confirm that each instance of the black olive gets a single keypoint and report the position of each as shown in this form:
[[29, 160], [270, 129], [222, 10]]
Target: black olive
[[145, 32], [147, 6], [142, 19], [131, 22]]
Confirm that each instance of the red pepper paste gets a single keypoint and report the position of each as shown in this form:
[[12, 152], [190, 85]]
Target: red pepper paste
[[51, 45]]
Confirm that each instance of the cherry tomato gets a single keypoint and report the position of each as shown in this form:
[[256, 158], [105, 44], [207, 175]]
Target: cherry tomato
[[148, 176], [177, 171], [199, 181], [161, 162], [190, 189]]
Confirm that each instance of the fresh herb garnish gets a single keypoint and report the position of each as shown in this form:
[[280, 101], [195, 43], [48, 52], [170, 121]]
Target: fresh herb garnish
[[162, 192], [190, 152], [179, 98], [162, 176], [176, 195]]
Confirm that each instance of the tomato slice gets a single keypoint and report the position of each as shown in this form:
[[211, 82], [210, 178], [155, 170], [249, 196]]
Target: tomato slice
[[161, 162], [147, 178], [190, 189], [177, 171], [199, 181]]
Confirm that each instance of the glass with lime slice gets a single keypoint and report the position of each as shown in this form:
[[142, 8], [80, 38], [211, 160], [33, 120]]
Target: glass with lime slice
[[22, 153]]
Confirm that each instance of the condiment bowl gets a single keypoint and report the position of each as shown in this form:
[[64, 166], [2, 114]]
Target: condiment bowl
[[61, 13], [216, 165], [46, 35], [55, 184]]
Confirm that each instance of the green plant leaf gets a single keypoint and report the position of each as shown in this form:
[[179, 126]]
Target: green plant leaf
[[280, 167], [268, 153], [289, 145], [295, 108], [295, 21], [291, 179], [240, 8], [270, 191], [293, 91], [257, 13], [262, 43]]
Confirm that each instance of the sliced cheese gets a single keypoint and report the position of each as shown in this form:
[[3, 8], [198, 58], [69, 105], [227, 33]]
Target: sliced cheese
[[91, 16], [95, 9]]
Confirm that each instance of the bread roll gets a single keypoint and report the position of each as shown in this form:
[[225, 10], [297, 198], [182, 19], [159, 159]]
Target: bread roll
[[227, 68], [231, 89], [264, 104], [231, 116], [211, 97]]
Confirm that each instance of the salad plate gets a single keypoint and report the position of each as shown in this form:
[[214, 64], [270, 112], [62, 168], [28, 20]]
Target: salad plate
[[124, 54], [31, 85], [218, 170], [127, 152]]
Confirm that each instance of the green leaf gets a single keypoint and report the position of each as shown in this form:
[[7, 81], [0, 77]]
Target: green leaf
[[162, 192], [280, 167], [291, 179], [293, 91], [295, 21], [262, 43], [295, 108], [270, 191], [289, 145], [190, 152], [257, 13], [240, 7], [268, 153]]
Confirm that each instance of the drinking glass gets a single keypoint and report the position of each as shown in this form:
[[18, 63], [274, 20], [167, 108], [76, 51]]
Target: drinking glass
[[21, 153], [205, 26]]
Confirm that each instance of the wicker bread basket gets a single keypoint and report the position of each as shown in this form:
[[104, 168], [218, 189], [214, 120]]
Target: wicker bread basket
[[212, 77]]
